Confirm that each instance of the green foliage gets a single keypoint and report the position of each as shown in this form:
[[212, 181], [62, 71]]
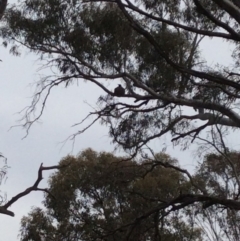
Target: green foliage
[[90, 39], [103, 197], [221, 172], [219, 176], [153, 49], [99, 196]]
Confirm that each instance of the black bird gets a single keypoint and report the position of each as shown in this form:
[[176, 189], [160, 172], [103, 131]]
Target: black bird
[[119, 91]]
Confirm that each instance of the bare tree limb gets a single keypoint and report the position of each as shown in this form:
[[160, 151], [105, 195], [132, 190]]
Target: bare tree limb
[[34, 187]]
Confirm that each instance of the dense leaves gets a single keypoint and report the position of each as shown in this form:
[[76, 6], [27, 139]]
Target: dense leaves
[[102, 197]]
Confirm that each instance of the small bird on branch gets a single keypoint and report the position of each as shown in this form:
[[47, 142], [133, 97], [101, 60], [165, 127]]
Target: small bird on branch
[[119, 91]]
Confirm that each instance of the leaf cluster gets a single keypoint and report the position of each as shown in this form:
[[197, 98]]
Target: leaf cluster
[[103, 197]]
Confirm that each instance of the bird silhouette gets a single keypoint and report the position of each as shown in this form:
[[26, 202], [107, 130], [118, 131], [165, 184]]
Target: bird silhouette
[[119, 91]]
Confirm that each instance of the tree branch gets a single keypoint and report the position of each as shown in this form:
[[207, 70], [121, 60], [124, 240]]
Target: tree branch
[[234, 36], [34, 187]]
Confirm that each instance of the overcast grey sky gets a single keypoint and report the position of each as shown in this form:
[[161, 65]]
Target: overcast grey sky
[[43, 144]]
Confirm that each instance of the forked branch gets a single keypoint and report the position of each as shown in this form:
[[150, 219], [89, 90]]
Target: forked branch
[[34, 187]]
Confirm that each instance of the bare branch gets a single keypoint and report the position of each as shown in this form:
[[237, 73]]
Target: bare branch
[[34, 187]]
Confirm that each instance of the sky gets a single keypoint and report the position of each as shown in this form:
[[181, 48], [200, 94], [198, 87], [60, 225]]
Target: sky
[[44, 144]]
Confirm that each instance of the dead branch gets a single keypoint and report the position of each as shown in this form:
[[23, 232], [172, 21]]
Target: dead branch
[[34, 187]]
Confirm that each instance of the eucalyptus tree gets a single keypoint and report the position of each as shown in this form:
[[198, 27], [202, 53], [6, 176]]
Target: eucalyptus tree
[[219, 176], [151, 48], [100, 197]]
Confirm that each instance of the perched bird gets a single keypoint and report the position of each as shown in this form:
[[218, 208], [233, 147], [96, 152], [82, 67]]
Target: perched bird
[[119, 91], [198, 96]]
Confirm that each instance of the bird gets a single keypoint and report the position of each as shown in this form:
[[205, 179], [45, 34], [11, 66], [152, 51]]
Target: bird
[[119, 91], [198, 97]]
